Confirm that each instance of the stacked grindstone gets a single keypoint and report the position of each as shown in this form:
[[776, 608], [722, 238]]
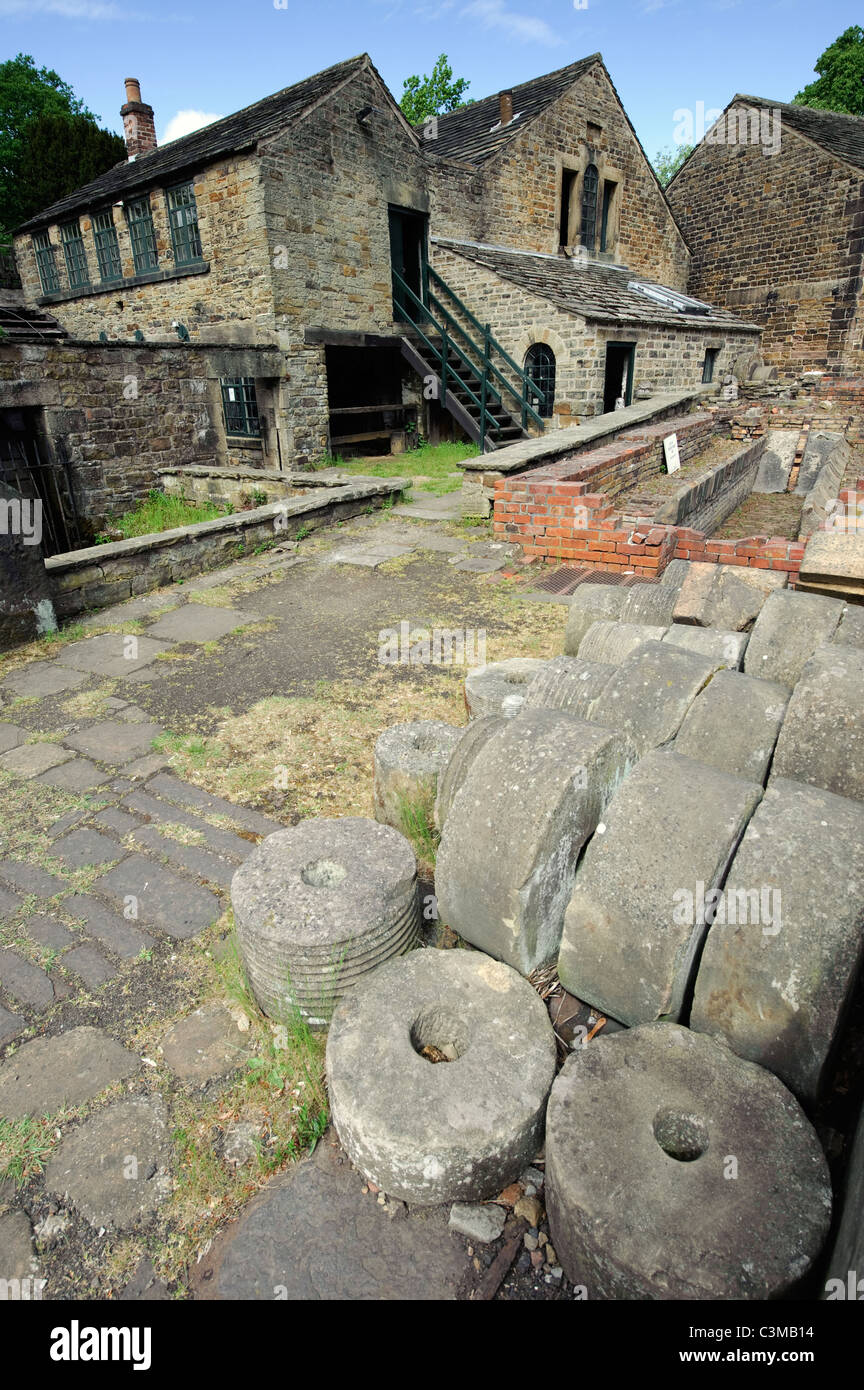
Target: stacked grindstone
[[408, 761], [500, 687], [591, 603], [478, 733], [789, 629], [675, 1170], [613, 642], [568, 683], [438, 1071], [321, 906]]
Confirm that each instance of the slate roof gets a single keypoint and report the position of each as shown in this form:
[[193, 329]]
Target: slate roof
[[594, 291], [241, 131], [837, 133], [474, 133]]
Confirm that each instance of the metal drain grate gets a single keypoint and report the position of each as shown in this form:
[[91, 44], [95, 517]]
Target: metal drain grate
[[567, 580]]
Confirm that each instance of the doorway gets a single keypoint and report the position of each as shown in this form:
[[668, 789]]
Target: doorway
[[618, 384], [30, 469], [408, 259]]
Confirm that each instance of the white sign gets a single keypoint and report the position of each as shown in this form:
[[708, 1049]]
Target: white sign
[[670, 449]]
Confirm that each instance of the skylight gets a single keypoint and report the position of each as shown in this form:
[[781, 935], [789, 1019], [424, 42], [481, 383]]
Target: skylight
[[670, 299]]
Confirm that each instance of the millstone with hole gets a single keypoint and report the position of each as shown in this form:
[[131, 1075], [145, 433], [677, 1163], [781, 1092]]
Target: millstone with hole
[[408, 761], [500, 688], [438, 1070], [676, 1170], [319, 907]]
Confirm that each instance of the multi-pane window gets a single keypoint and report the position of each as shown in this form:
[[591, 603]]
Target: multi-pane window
[[240, 405], [76, 256], [107, 246], [142, 234], [183, 221], [540, 368], [590, 181], [45, 263]]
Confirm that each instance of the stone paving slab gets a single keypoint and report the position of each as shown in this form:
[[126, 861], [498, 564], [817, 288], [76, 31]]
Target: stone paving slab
[[105, 655], [82, 848], [199, 622], [43, 678], [49, 932], [162, 813], [115, 742], [481, 566], [16, 1246], [176, 906], [9, 904], [29, 759], [205, 1046], [77, 775], [195, 860], [185, 794], [115, 1167], [134, 609], [24, 982], [313, 1235], [89, 965], [30, 878], [10, 1025], [122, 937], [142, 768], [370, 557], [11, 735], [66, 1069]]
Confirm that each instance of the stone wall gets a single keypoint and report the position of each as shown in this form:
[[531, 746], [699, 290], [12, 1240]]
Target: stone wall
[[777, 239], [226, 299], [705, 503], [235, 487], [667, 358]]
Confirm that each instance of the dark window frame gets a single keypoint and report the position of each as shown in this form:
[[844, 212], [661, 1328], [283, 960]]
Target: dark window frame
[[75, 254], [46, 262], [590, 189], [709, 364], [107, 246], [183, 224], [240, 407], [542, 369], [142, 234]]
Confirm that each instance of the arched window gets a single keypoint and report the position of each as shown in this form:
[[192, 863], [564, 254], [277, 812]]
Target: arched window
[[590, 183], [540, 368]]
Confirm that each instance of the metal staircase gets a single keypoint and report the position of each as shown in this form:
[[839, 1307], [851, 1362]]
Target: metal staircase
[[477, 381]]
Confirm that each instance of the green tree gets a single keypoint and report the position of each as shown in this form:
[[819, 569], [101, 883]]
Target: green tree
[[62, 153], [840, 84], [29, 94], [667, 162], [433, 95]]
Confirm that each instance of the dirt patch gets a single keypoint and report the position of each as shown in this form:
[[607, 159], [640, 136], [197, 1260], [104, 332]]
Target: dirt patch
[[763, 514]]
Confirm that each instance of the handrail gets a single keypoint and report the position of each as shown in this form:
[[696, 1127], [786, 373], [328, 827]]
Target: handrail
[[454, 323], [529, 387]]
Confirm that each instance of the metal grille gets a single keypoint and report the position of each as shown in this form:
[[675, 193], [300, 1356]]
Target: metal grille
[[142, 235], [183, 221], [76, 256], [23, 469], [46, 264], [240, 405], [107, 246], [589, 207], [567, 580]]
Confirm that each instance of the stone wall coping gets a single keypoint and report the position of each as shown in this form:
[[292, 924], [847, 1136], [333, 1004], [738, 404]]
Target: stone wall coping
[[514, 457], [238, 521], [323, 477]]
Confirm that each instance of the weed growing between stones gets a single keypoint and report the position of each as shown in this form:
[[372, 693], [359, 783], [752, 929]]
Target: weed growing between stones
[[417, 815], [25, 1147]]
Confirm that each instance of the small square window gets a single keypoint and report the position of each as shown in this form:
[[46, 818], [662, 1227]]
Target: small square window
[[240, 406], [45, 263], [107, 246], [183, 221], [76, 256]]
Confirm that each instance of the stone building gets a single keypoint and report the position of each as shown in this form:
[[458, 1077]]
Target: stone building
[[772, 205], [306, 275]]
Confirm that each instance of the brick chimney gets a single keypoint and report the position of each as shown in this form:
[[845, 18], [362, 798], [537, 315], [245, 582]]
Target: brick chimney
[[138, 125], [506, 105]]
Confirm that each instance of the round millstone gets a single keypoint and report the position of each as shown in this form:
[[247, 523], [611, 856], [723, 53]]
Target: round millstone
[[408, 761], [477, 734], [320, 906], [727, 1190], [438, 1070], [500, 688]]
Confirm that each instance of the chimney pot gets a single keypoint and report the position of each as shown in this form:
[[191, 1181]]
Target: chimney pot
[[139, 127], [506, 106], [133, 89]]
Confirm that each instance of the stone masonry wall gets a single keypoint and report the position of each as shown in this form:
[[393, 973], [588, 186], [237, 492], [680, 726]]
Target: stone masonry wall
[[666, 358], [229, 301], [777, 238]]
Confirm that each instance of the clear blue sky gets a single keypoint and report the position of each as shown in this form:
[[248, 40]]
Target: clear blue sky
[[213, 56]]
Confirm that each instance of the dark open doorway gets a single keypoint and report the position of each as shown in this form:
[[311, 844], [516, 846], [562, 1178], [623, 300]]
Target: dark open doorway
[[364, 390], [28, 466], [407, 257], [618, 385]]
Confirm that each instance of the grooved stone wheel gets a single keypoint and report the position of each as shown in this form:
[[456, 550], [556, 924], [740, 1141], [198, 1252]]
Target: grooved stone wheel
[[454, 1129], [500, 688], [675, 1170], [319, 907], [408, 761]]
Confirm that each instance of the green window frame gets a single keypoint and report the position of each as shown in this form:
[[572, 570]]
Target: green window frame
[[46, 263], [107, 246], [76, 256], [183, 221], [142, 234], [240, 406], [590, 181]]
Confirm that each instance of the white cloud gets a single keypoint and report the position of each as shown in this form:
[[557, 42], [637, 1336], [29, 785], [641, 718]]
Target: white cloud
[[67, 9], [494, 14], [185, 122]]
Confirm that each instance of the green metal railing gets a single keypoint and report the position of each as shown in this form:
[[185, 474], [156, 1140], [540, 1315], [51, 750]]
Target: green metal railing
[[479, 364]]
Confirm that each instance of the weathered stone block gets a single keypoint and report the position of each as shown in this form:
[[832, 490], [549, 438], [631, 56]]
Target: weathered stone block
[[733, 725], [786, 634], [612, 642], [409, 759], [570, 684], [591, 603], [728, 647], [478, 732], [501, 686], [822, 739], [650, 693]]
